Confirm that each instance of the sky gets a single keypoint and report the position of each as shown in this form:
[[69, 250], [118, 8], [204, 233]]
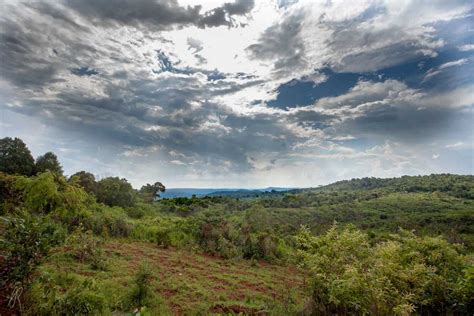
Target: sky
[[241, 93]]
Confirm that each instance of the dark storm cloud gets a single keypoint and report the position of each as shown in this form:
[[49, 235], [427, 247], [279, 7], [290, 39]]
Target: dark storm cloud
[[223, 15], [230, 141], [157, 14], [24, 58], [34, 53], [283, 44], [42, 47]]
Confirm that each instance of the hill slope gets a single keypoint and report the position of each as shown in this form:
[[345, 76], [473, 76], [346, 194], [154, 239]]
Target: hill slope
[[183, 282]]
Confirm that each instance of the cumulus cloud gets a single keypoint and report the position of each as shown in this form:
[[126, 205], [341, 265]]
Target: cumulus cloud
[[361, 36], [184, 90], [466, 47]]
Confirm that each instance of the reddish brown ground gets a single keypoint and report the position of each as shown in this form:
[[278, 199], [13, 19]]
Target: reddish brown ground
[[219, 279]]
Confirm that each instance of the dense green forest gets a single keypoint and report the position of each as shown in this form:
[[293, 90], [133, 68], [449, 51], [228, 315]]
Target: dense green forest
[[80, 245]]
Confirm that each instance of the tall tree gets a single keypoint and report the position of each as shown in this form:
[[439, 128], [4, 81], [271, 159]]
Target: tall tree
[[114, 191], [48, 162], [86, 180], [150, 192], [15, 157]]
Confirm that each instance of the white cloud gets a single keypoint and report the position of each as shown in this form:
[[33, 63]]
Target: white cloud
[[188, 105], [455, 145], [466, 48], [435, 71]]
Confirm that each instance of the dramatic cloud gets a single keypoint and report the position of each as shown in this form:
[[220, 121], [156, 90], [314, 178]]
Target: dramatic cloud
[[240, 93], [156, 14]]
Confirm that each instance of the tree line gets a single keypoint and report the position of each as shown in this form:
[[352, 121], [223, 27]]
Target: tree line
[[16, 159]]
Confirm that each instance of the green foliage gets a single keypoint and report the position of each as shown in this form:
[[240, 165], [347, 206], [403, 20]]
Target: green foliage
[[140, 210], [85, 247], [142, 294], [151, 192], [15, 157], [163, 237], [25, 241], [106, 221], [40, 192], [48, 162], [10, 194], [404, 275], [114, 191], [72, 199], [62, 294], [46, 192], [363, 269], [458, 186], [86, 180]]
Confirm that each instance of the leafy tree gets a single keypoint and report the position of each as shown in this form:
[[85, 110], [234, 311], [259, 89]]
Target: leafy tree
[[48, 162], [40, 193], [114, 191], [15, 157], [86, 180], [47, 192], [150, 192]]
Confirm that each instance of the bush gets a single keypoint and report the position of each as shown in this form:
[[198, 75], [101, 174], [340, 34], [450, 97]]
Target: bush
[[40, 192], [10, 194], [405, 275], [163, 237], [27, 239], [46, 193], [86, 248], [142, 294], [227, 249], [108, 222], [66, 295]]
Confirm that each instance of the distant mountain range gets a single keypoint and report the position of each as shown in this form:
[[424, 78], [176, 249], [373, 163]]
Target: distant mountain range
[[189, 192]]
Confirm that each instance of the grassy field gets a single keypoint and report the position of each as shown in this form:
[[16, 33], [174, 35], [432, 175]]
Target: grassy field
[[184, 282]]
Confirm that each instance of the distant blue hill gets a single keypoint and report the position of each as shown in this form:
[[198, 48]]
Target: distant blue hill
[[189, 192]]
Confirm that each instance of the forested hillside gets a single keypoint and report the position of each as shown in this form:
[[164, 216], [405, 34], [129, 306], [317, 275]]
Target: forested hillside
[[80, 245]]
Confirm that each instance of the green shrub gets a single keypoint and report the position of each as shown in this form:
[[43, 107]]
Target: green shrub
[[48, 192], [404, 275], [85, 247], [108, 222], [163, 237], [59, 294], [26, 240], [140, 210], [142, 294], [142, 231], [10, 194], [227, 249], [40, 192]]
